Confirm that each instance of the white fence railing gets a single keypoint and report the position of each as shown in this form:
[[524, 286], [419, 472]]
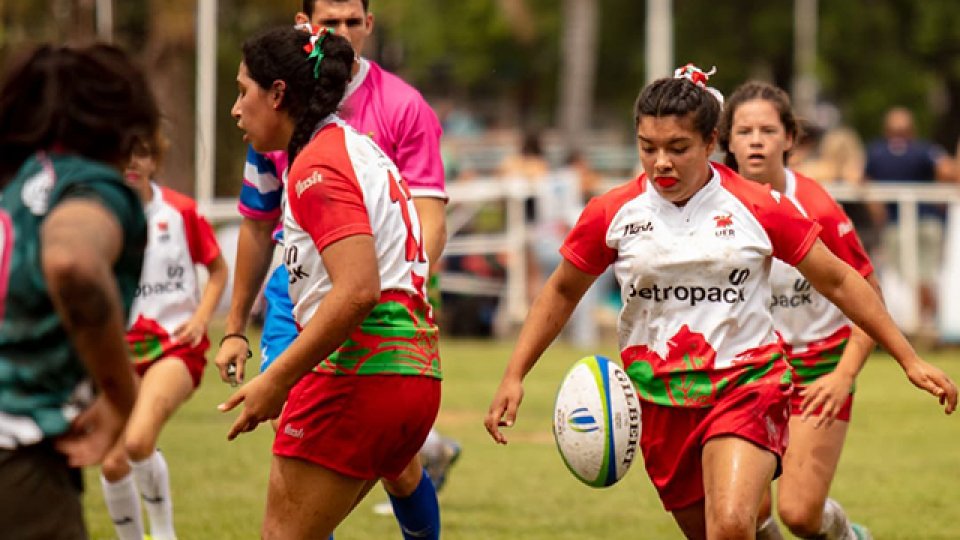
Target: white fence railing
[[467, 198]]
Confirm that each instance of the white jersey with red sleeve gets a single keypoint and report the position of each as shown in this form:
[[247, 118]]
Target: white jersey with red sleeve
[[694, 282], [342, 184], [815, 331], [178, 238]]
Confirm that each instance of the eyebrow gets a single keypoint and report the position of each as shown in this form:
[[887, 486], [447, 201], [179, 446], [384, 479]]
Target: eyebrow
[[670, 141]]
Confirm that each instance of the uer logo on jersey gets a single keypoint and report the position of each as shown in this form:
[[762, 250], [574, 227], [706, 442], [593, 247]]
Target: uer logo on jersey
[[724, 226], [695, 294]]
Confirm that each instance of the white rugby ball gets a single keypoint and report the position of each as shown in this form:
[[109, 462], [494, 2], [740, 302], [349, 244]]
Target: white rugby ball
[[596, 421]]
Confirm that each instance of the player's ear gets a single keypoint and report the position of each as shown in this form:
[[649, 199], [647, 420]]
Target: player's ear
[[301, 18]]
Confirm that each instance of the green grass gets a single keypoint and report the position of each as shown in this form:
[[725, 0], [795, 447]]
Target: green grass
[[898, 474]]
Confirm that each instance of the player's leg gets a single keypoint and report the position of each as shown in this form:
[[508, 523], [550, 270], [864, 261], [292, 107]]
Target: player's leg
[[438, 454], [692, 521], [808, 469], [165, 386], [736, 472], [767, 527], [305, 500], [120, 493], [414, 501]]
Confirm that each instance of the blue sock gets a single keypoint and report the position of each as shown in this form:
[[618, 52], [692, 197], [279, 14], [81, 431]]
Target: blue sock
[[418, 514]]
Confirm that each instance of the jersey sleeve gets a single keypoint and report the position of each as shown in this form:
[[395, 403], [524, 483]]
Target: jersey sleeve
[[327, 202], [586, 244], [841, 238], [262, 189], [418, 150], [791, 233], [201, 240]]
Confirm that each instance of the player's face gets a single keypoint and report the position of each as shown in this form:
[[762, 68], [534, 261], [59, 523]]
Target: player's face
[[347, 18], [258, 114], [758, 140], [674, 156], [140, 170]]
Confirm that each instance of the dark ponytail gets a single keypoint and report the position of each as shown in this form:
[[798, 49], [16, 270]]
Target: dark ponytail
[[278, 55], [91, 101]]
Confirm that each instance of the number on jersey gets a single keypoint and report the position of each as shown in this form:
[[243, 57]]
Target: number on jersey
[[400, 194]]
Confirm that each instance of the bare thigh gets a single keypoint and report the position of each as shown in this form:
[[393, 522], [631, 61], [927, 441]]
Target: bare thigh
[[305, 500], [809, 465], [736, 473], [408, 480], [164, 387]]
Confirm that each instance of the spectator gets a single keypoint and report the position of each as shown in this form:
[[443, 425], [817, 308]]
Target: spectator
[[900, 157], [841, 159]]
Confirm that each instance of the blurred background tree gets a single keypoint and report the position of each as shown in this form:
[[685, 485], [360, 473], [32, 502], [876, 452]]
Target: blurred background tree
[[501, 59]]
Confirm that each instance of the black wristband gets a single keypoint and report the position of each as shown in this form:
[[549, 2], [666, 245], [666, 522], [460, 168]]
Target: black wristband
[[240, 336]]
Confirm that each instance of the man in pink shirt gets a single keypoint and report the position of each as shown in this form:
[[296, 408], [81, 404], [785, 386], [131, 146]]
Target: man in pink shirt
[[395, 115]]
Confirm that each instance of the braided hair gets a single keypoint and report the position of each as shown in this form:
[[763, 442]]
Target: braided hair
[[278, 55], [671, 96], [91, 101]]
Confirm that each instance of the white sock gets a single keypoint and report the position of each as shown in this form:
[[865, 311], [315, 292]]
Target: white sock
[[153, 479], [123, 505], [769, 530], [834, 525]]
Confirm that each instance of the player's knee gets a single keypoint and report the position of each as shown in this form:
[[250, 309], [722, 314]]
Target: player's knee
[[730, 523], [407, 482], [115, 467], [139, 446], [802, 519]]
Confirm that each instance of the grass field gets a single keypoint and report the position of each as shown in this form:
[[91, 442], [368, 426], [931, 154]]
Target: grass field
[[900, 472]]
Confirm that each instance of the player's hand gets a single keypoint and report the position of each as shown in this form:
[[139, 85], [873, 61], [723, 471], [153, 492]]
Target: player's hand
[[190, 332], [231, 360], [503, 409], [92, 434], [262, 400], [932, 379], [827, 393]]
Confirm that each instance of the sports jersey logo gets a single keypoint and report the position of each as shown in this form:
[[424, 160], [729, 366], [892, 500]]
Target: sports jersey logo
[[738, 276], [290, 260], [801, 296], [36, 191], [307, 183], [631, 229], [724, 225], [844, 228], [164, 229]]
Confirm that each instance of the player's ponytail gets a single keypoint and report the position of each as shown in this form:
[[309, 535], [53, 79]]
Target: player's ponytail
[[315, 67]]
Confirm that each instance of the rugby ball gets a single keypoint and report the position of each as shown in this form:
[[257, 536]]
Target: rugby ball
[[596, 421]]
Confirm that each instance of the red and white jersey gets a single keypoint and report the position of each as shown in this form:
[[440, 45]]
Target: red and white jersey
[[342, 184], [694, 281], [813, 328], [168, 295]]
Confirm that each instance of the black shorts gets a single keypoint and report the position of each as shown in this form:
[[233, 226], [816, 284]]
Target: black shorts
[[39, 495]]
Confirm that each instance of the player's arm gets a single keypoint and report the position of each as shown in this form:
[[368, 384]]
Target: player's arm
[[850, 292], [433, 221], [828, 393], [549, 313], [81, 240], [355, 289], [254, 254]]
